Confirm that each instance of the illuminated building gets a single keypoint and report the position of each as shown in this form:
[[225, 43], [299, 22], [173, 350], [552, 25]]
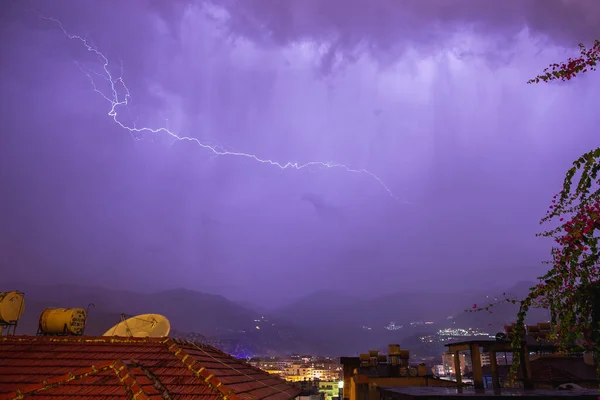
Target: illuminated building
[[274, 371], [330, 389], [485, 359], [299, 370], [363, 375], [449, 364], [311, 371]]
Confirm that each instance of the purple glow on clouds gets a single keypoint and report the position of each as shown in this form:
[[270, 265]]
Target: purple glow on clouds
[[429, 97]]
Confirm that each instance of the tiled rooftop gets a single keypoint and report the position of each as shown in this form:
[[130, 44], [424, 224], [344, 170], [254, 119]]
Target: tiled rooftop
[[431, 393], [562, 370], [126, 368]]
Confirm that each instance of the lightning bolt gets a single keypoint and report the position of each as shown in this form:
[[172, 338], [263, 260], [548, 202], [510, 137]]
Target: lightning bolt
[[116, 100]]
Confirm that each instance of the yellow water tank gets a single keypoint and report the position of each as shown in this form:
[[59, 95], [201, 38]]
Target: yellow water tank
[[12, 305], [63, 320]]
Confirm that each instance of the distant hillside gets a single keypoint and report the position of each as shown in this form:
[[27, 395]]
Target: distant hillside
[[188, 311], [501, 314], [328, 323], [426, 342], [348, 324]]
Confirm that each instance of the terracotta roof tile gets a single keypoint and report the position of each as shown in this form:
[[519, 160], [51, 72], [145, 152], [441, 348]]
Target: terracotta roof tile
[[240, 377], [58, 397], [98, 380], [562, 370], [550, 373], [141, 368]]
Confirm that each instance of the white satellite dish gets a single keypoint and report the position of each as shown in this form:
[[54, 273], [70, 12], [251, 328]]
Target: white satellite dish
[[145, 325]]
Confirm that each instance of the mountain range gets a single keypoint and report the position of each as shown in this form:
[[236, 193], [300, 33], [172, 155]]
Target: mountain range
[[327, 323]]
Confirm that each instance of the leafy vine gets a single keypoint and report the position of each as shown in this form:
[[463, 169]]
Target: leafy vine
[[569, 289]]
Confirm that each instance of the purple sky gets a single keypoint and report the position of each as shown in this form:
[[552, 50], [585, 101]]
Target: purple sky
[[430, 96]]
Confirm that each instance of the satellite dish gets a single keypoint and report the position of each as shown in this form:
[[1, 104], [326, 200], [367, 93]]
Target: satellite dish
[[145, 325], [12, 305], [588, 358], [570, 386], [413, 371], [501, 336]]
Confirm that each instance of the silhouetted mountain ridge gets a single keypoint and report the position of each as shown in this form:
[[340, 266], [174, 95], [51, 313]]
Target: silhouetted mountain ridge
[[356, 324], [188, 311], [350, 323], [503, 313], [328, 322]]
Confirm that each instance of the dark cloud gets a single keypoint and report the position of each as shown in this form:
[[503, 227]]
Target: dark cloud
[[455, 131], [387, 27]]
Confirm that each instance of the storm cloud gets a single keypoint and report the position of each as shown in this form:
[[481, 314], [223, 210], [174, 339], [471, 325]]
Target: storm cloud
[[429, 96]]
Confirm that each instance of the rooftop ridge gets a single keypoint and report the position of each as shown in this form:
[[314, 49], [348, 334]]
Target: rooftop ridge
[[240, 372], [105, 339], [202, 373], [166, 395], [131, 385], [80, 339]]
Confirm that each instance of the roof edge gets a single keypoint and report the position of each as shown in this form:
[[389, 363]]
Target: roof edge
[[291, 388], [129, 381], [79, 339], [202, 373]]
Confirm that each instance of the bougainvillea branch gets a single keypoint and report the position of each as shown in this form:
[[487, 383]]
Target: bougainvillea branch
[[488, 307], [587, 61], [569, 288]]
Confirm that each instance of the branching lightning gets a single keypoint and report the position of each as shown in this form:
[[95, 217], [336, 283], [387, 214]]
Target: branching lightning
[[116, 100]]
